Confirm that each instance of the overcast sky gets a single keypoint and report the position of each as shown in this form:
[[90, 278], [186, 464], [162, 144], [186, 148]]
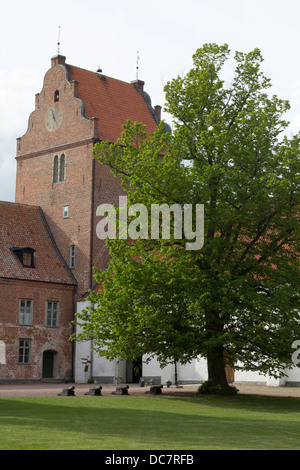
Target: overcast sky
[[108, 33]]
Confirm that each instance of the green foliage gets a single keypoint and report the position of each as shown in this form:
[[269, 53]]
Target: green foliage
[[240, 292]]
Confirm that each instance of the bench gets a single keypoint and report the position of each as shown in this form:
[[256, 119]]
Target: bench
[[149, 382]]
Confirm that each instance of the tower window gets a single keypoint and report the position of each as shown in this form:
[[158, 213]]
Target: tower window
[[56, 96], [55, 169], [65, 212], [59, 168], [72, 256], [62, 167]]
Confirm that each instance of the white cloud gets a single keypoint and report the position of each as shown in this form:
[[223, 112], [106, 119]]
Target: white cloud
[[16, 103], [16, 100], [296, 92], [295, 124], [7, 179]]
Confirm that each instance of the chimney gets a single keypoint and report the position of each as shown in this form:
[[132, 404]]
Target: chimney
[[58, 60], [157, 110], [139, 84]]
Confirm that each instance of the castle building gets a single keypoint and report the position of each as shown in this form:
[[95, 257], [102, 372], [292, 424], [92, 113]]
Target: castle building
[[55, 170], [37, 292], [48, 241]]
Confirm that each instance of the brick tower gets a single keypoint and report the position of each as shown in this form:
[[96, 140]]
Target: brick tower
[[55, 170]]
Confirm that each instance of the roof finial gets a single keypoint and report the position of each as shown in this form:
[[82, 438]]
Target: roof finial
[[58, 43], [137, 65]]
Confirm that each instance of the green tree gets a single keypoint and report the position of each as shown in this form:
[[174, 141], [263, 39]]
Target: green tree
[[236, 298]]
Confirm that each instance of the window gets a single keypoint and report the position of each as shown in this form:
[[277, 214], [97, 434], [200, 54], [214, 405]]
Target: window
[[55, 169], [52, 311], [24, 351], [25, 256], [27, 259], [62, 167], [25, 312], [2, 353], [56, 96], [59, 168], [72, 256], [65, 212]]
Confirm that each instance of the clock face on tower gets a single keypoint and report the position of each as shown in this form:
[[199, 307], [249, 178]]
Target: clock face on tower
[[53, 117]]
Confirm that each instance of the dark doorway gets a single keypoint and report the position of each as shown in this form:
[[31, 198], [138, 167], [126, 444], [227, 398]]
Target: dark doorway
[[48, 363], [137, 370], [134, 369]]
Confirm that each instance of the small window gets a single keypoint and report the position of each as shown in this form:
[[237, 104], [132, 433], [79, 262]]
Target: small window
[[55, 169], [72, 256], [65, 212], [52, 311], [24, 351], [62, 169], [25, 312], [56, 96], [27, 259], [2, 353], [59, 168], [25, 256]]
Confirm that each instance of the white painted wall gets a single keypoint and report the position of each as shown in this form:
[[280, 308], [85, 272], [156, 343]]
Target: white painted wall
[[193, 372], [100, 369]]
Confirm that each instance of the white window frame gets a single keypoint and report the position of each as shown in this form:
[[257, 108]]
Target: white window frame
[[52, 313], [59, 168], [66, 212], [25, 312], [72, 256], [62, 167], [24, 351]]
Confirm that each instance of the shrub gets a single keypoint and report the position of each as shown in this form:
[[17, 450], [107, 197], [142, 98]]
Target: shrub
[[206, 387]]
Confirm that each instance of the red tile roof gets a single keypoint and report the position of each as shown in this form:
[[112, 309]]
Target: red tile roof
[[112, 101], [23, 226]]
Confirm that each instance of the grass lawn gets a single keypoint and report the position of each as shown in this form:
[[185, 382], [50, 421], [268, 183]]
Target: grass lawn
[[150, 423]]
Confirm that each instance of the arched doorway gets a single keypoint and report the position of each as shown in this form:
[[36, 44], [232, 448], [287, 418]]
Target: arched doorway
[[49, 364]]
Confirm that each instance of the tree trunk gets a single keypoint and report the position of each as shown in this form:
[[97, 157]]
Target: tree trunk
[[215, 355], [216, 368]]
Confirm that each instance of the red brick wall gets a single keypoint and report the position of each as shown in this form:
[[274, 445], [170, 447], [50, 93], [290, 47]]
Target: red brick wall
[[74, 138], [35, 158], [74, 127], [107, 191], [43, 338], [87, 184], [35, 186]]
